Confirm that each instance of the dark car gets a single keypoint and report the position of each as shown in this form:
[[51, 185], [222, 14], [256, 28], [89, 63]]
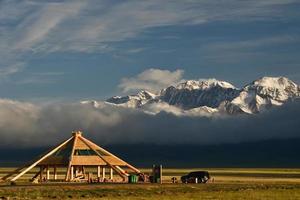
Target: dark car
[[196, 177]]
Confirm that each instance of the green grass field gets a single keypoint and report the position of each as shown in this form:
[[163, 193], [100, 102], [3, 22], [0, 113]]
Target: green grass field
[[228, 184]]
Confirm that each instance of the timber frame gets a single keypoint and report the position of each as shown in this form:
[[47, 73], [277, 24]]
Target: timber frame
[[75, 154]]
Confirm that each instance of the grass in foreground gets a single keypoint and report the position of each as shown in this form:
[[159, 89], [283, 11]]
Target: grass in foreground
[[269, 184], [147, 191]]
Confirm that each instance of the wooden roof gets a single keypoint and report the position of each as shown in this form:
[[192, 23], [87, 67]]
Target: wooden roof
[[77, 150], [81, 151]]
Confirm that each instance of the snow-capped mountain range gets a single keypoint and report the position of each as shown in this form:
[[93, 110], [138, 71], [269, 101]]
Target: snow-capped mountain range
[[206, 97]]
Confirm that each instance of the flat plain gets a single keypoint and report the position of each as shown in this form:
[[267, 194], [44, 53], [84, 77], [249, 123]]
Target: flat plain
[[228, 183]]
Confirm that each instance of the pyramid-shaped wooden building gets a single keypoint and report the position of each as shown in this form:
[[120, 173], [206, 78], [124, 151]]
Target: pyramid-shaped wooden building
[[76, 154]]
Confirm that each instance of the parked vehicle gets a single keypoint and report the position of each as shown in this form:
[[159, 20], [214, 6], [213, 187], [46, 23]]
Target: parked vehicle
[[196, 177]]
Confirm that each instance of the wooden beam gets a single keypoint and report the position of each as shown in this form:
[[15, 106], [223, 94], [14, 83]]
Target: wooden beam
[[12, 173], [120, 169], [83, 171], [36, 175], [128, 165], [72, 173], [55, 172], [98, 171], [103, 172], [91, 147], [71, 157], [41, 173], [111, 174], [40, 160], [47, 173]]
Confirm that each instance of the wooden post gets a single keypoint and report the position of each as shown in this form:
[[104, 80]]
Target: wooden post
[[47, 173], [111, 173], [41, 173], [160, 174], [72, 173], [83, 171], [55, 173], [98, 171], [103, 172]]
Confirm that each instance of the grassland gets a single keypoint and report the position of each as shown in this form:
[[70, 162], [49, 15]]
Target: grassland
[[228, 184]]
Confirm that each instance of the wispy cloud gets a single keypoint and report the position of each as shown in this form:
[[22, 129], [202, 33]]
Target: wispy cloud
[[239, 50], [31, 27], [253, 43], [84, 25], [41, 78], [26, 25], [37, 25], [136, 50], [121, 21], [11, 69]]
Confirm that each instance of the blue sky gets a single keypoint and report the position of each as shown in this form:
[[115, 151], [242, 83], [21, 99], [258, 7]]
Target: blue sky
[[71, 50]]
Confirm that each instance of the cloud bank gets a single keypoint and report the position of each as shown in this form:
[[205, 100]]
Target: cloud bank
[[27, 125]]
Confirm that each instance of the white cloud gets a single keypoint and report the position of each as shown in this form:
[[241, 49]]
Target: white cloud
[[151, 79]]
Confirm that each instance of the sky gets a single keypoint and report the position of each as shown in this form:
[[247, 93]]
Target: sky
[[53, 54], [53, 50]]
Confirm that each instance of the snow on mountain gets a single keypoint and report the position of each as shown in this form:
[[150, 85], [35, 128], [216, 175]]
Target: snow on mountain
[[265, 93], [193, 94], [211, 97], [203, 84], [276, 88], [155, 108], [201, 111], [133, 101]]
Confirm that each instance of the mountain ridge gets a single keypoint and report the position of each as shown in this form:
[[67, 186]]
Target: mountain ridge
[[211, 96]]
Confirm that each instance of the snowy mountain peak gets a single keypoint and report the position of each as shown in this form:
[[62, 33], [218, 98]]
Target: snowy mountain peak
[[133, 101], [144, 94], [203, 84], [274, 82], [211, 96], [276, 88], [264, 93]]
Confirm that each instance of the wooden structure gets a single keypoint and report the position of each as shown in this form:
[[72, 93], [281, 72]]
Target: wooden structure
[[75, 154]]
